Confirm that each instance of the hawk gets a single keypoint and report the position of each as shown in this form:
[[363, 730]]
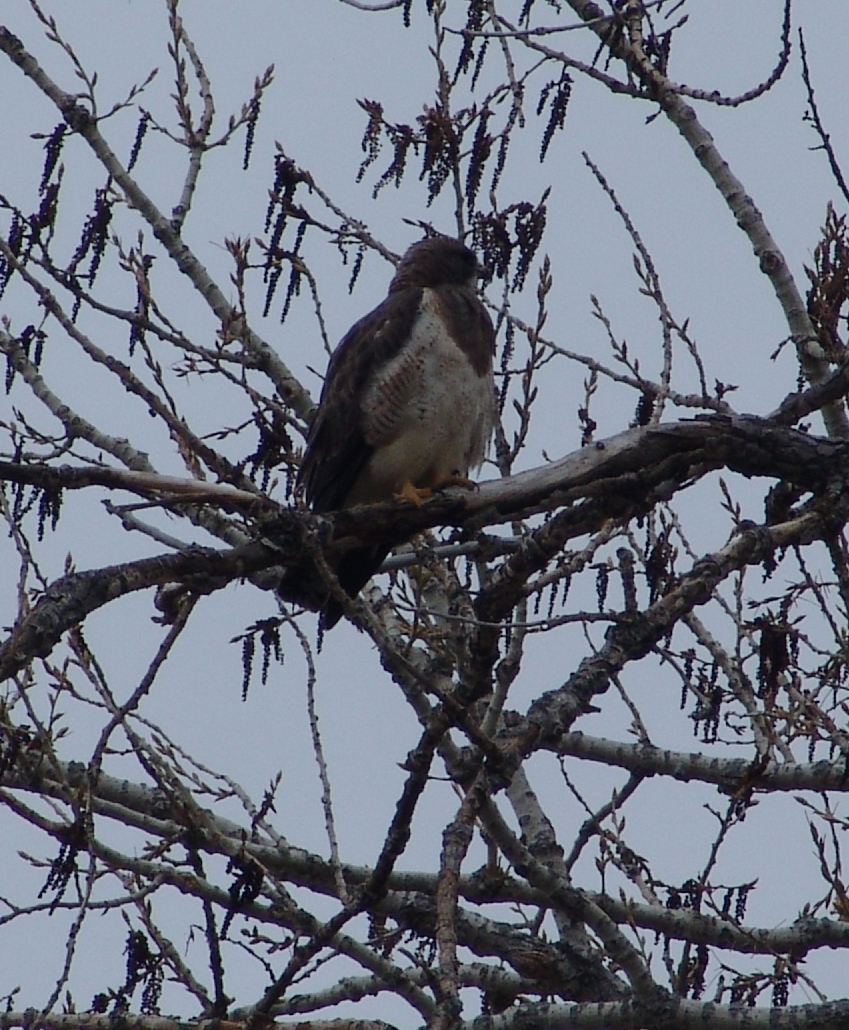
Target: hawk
[[408, 404]]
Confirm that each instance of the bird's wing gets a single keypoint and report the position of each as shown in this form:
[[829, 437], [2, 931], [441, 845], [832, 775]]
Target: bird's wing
[[337, 449]]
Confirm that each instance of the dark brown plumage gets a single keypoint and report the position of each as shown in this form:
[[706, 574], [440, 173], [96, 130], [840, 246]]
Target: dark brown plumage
[[408, 404]]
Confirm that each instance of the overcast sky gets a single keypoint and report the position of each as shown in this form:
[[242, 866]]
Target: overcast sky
[[327, 55]]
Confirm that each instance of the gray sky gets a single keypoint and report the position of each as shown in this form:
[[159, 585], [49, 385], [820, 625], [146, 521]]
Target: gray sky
[[326, 56]]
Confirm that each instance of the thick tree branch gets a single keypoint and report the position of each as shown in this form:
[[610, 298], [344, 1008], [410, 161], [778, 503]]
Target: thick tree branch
[[733, 775], [629, 470]]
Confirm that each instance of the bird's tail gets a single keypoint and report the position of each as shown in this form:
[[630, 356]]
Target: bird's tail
[[303, 586], [355, 570]]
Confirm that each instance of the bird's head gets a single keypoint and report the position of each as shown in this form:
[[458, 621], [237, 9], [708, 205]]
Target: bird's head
[[436, 261]]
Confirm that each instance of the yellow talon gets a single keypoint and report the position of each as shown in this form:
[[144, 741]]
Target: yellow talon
[[418, 495], [456, 479]]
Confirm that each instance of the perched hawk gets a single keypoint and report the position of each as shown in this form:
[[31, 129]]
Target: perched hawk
[[408, 404]]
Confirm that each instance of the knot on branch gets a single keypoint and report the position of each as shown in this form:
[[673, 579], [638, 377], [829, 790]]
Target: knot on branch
[[77, 117], [771, 261]]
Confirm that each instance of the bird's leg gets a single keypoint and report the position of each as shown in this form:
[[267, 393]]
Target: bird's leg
[[456, 478], [417, 494]]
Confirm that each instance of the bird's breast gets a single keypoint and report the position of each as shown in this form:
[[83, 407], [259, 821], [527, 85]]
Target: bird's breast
[[426, 412]]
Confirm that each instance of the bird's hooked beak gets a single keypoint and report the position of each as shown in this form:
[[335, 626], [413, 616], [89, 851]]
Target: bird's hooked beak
[[484, 274]]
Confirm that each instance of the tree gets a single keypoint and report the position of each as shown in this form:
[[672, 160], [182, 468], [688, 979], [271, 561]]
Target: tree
[[506, 859]]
